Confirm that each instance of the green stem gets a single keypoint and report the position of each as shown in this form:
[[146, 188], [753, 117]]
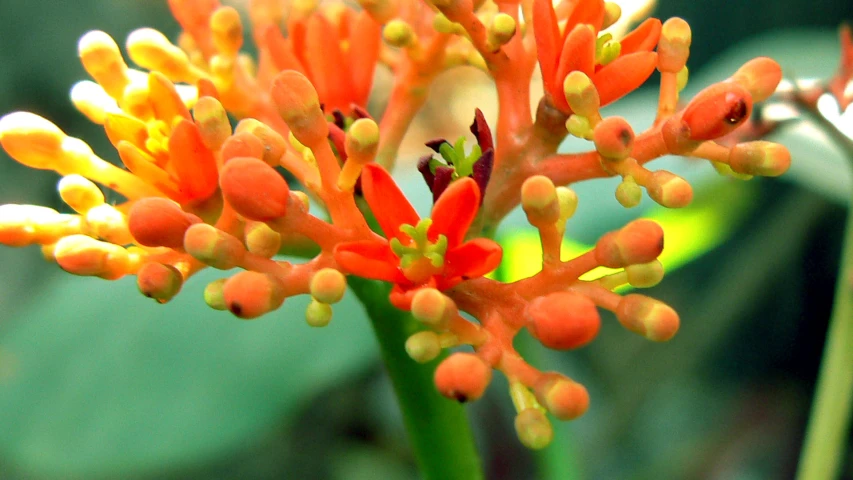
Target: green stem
[[829, 424], [438, 428]]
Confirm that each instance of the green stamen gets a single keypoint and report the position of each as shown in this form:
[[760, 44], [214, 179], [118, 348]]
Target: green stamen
[[420, 246]]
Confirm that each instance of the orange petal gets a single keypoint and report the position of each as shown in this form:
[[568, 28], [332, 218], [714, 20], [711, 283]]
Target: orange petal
[[369, 259], [717, 110], [578, 54], [387, 202], [194, 18], [326, 62], [644, 38], [590, 12], [363, 55], [206, 88], [164, 99], [193, 163], [472, 259], [454, 211], [122, 127], [144, 166], [623, 75], [547, 34], [281, 50]]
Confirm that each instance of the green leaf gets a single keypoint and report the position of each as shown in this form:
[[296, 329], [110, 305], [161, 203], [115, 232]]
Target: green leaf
[[102, 382]]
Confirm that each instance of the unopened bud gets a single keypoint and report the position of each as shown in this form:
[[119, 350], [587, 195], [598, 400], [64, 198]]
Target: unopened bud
[[251, 294], [262, 240], [212, 121], [568, 202], [83, 255], [674, 45], [645, 275], [628, 193], [299, 106], [227, 30], [612, 14], [106, 222], [159, 222], [651, 318], [463, 377], [22, 225], [242, 144], [213, 247], [433, 308], [80, 193], [579, 126], [563, 320], [360, 144], [102, 59], [318, 314], [539, 201], [717, 111], [562, 397], [328, 285], [213, 295], [37, 143], [158, 281], [533, 429], [501, 30], [398, 33], [760, 76], [274, 145], [614, 138], [254, 189], [423, 346], [760, 158], [669, 190], [151, 49], [91, 100], [581, 94], [641, 241]]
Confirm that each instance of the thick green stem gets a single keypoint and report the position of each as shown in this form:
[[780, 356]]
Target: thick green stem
[[829, 425], [438, 428]]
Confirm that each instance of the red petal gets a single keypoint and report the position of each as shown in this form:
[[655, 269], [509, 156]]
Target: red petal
[[281, 50], [192, 162], [363, 55], [472, 259], [387, 202], [623, 75], [578, 54], [590, 12], [454, 211], [326, 62], [644, 38], [547, 34], [369, 259]]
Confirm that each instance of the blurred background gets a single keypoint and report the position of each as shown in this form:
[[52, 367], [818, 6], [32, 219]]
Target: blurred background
[[97, 381]]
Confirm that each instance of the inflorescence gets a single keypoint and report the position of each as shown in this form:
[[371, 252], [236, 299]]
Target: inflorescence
[[203, 193]]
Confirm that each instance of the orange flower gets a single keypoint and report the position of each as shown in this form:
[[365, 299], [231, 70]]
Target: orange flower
[[614, 70], [337, 49], [429, 252]]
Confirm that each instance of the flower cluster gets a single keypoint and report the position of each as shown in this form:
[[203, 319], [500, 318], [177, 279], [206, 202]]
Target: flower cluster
[[201, 193]]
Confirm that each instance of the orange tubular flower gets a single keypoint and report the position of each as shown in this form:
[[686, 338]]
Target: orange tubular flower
[[615, 68], [429, 252], [336, 49]]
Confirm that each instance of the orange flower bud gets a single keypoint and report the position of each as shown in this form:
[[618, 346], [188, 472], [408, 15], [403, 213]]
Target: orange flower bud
[[760, 158], [213, 247], [669, 190], [651, 318], [717, 111], [159, 281], [212, 121], [37, 143], [106, 222], [328, 285], [760, 76], [151, 49], [242, 144], [83, 255], [262, 240], [423, 346], [80, 193], [562, 397], [102, 59], [563, 320], [539, 201], [299, 106], [674, 45], [641, 241], [433, 308], [22, 225], [251, 294], [533, 429], [254, 189], [274, 145], [614, 138], [227, 31], [463, 377], [158, 222]]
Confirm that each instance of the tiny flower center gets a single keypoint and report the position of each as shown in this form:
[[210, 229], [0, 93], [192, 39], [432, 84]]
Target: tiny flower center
[[420, 258]]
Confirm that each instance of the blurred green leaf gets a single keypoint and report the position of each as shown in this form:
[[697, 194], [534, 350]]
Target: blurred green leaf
[[104, 382]]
